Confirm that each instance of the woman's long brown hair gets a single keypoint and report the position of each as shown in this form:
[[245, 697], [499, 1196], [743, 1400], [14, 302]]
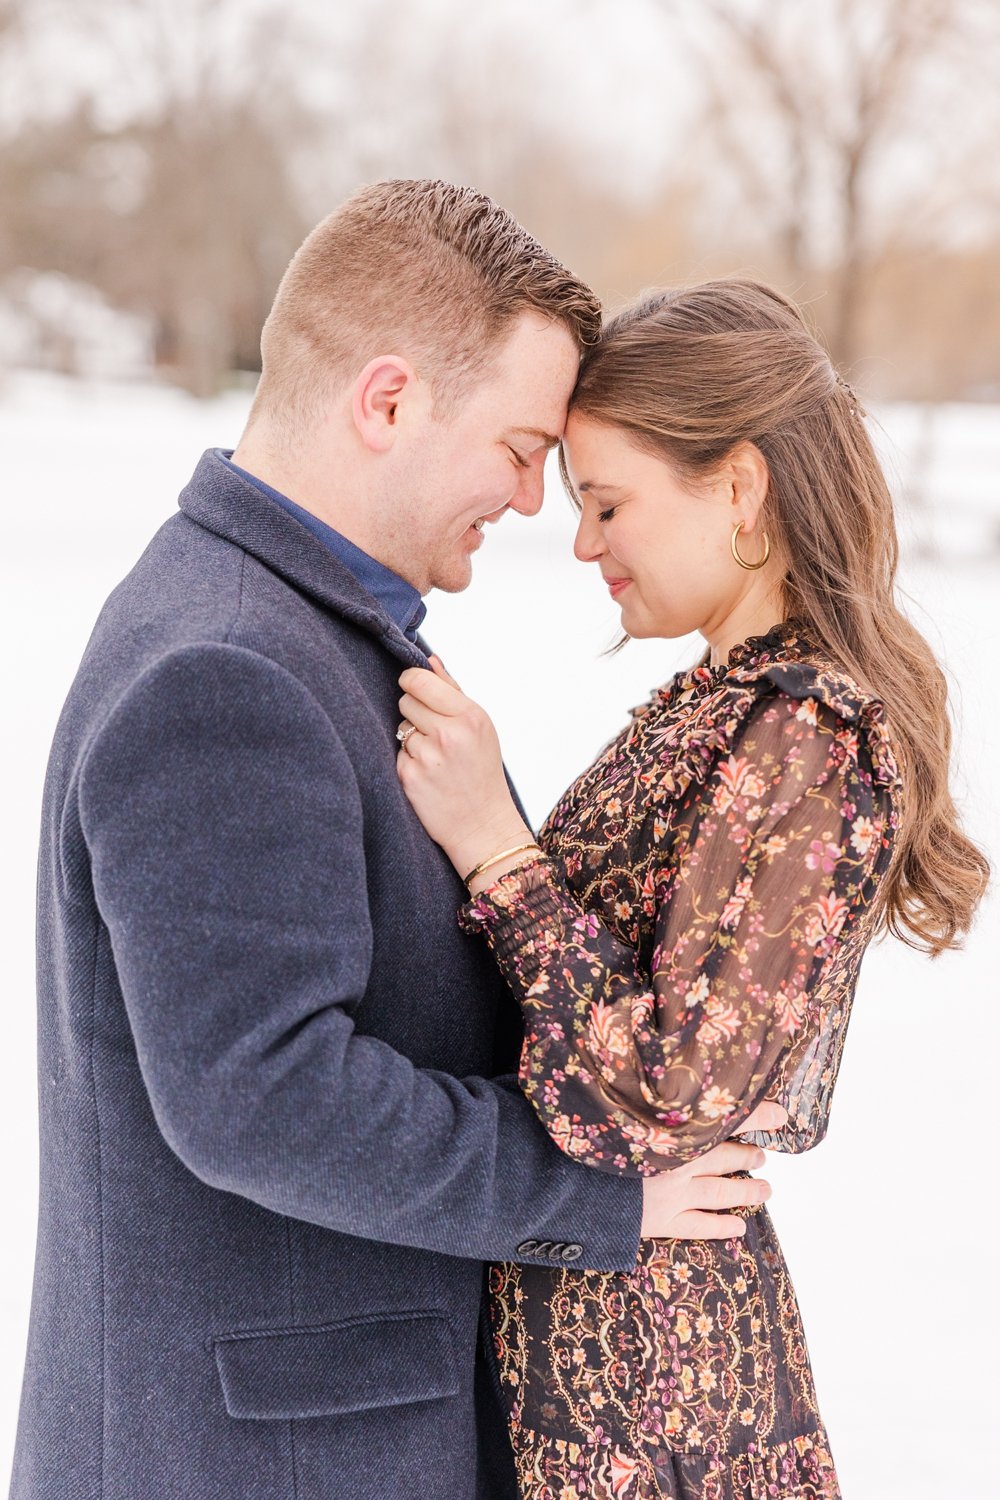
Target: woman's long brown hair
[[688, 375]]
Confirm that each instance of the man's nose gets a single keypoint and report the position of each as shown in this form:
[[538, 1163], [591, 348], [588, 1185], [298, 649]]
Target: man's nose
[[530, 492], [588, 544]]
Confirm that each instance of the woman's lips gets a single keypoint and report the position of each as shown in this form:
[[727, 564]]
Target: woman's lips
[[616, 585]]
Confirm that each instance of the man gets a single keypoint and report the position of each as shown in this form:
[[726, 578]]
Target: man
[[275, 1149]]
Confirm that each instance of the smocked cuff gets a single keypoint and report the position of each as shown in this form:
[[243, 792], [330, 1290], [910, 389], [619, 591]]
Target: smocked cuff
[[509, 910]]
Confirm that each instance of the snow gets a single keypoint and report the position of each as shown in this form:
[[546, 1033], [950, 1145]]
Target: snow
[[51, 322], [888, 1227]]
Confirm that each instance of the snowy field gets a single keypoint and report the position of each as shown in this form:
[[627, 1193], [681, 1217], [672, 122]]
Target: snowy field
[[889, 1226]]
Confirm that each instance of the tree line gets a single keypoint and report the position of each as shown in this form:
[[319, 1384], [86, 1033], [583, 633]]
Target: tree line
[[172, 155]]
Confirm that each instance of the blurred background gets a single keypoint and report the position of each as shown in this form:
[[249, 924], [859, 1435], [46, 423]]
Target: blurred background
[[160, 160]]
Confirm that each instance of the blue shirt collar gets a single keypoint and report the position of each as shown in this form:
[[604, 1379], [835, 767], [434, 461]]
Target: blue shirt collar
[[400, 600]]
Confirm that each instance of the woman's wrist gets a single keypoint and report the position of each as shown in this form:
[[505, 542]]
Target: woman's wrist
[[495, 869], [506, 832]]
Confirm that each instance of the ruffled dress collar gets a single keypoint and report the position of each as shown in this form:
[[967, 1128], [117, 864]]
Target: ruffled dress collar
[[746, 660], [706, 703]]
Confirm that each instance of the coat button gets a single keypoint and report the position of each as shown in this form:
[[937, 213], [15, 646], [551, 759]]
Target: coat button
[[572, 1252], [527, 1247]]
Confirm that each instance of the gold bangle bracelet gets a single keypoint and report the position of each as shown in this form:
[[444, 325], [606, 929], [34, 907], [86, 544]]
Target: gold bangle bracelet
[[496, 858]]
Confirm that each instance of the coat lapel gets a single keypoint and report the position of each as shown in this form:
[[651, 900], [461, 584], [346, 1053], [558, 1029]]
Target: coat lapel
[[226, 504]]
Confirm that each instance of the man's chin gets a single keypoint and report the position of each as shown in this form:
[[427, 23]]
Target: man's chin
[[453, 578]]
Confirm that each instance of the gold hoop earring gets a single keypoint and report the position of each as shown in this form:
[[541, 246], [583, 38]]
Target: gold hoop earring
[[750, 567]]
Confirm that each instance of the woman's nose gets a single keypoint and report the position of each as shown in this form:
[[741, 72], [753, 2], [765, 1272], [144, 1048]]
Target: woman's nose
[[588, 544]]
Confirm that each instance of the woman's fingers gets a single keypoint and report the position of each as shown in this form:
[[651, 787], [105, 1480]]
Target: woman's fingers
[[443, 696], [417, 713], [438, 666]]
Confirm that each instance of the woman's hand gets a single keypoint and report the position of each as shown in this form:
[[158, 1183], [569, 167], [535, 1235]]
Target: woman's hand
[[452, 772]]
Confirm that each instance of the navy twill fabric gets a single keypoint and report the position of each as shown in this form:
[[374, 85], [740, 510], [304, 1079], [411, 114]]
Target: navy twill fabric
[[400, 600], [280, 1130]]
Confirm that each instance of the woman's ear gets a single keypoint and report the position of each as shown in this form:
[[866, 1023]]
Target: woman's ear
[[751, 479], [378, 390]]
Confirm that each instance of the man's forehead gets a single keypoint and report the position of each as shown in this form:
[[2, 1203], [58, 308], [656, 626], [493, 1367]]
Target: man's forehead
[[534, 379], [548, 439]]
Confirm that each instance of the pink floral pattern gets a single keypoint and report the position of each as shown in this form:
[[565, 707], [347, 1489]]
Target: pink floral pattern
[[689, 945]]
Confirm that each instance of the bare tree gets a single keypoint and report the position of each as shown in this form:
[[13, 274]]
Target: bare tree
[[833, 117], [842, 146], [175, 194], [467, 102]]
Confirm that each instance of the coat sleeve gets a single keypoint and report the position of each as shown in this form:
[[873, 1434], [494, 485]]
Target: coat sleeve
[[775, 854], [225, 831]]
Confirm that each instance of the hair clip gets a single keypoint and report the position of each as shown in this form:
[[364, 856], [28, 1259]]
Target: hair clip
[[850, 392]]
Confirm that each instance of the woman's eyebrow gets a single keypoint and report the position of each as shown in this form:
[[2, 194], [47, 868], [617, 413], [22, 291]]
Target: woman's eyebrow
[[589, 485]]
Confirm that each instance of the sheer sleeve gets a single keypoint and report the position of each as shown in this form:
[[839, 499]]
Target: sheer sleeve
[[636, 1069]]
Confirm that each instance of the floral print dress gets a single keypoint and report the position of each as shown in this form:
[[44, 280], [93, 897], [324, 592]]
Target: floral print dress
[[688, 946]]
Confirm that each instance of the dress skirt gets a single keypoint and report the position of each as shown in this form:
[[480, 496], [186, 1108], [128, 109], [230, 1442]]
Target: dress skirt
[[686, 945], [686, 1377]]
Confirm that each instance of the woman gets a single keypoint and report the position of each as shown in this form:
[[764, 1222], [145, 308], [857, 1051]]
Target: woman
[[684, 936]]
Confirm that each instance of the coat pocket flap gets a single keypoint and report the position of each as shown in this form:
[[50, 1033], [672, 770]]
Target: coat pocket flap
[[339, 1367]]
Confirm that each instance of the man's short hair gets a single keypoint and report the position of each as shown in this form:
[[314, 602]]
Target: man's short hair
[[426, 270]]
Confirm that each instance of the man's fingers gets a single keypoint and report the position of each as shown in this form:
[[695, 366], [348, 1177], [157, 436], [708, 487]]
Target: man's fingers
[[767, 1116], [726, 1157], [693, 1225], [728, 1192]]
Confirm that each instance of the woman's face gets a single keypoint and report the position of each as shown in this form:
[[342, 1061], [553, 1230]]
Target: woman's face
[[663, 547]]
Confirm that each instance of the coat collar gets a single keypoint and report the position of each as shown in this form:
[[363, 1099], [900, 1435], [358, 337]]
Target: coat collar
[[229, 506]]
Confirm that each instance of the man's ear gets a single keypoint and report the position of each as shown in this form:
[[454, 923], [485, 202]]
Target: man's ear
[[377, 393]]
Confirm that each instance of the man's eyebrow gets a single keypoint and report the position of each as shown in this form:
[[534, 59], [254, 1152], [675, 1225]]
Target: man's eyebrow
[[536, 432]]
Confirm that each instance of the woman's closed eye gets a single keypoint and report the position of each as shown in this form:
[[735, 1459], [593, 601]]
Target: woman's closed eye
[[605, 515]]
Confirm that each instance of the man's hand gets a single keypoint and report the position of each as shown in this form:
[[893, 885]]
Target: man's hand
[[691, 1202]]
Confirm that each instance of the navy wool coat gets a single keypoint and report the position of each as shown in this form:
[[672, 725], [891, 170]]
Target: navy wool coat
[[280, 1133]]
